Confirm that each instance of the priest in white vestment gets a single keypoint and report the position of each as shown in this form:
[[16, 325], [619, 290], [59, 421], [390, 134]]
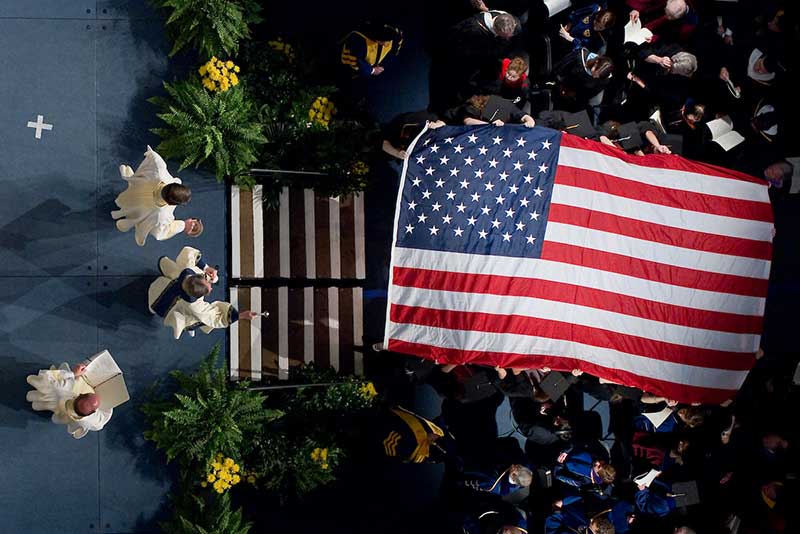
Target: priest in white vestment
[[178, 295], [148, 204], [72, 400]]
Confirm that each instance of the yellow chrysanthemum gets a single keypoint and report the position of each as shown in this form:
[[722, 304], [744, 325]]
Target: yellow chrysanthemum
[[202, 70], [324, 466], [204, 484], [228, 462], [211, 477], [213, 59], [368, 390], [235, 468], [229, 64], [324, 454], [216, 465], [236, 69], [236, 479]]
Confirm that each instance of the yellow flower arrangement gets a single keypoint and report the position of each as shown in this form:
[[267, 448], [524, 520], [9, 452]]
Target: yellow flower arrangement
[[221, 477], [320, 456], [281, 46], [219, 76], [321, 111], [360, 169]]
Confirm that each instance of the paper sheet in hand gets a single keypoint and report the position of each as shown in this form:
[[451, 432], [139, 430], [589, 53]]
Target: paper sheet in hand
[[105, 376], [555, 384], [555, 7], [634, 33], [723, 134], [659, 417], [647, 478]]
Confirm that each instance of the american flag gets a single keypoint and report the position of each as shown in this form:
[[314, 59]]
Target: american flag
[[531, 248]]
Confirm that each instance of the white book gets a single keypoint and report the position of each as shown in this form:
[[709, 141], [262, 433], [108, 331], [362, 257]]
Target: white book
[[105, 376], [658, 417], [647, 478], [723, 134], [634, 33], [555, 7]]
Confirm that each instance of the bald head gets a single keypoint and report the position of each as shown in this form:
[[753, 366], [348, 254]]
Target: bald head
[[86, 404], [676, 9]]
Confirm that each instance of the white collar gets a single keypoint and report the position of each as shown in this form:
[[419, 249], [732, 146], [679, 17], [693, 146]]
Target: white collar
[[755, 55]]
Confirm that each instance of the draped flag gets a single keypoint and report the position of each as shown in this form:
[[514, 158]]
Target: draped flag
[[531, 248]]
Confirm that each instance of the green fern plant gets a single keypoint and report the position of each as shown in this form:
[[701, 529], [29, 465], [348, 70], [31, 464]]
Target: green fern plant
[[209, 26], [208, 415], [212, 515], [216, 129]]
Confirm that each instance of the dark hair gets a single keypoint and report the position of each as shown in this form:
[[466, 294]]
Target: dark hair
[[195, 286], [176, 194], [505, 25], [478, 102], [601, 65], [693, 108], [605, 18]]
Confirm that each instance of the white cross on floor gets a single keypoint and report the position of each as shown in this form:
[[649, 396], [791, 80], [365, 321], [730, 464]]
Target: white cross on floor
[[39, 125]]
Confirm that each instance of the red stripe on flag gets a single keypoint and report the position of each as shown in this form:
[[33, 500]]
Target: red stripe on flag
[[579, 295], [673, 198], [654, 271], [659, 233], [670, 390], [659, 161], [585, 335]]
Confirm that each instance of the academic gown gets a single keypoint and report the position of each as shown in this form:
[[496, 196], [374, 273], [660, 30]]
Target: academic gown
[[141, 205], [167, 299], [56, 390]]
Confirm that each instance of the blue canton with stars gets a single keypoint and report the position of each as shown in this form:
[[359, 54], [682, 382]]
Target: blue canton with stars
[[479, 190]]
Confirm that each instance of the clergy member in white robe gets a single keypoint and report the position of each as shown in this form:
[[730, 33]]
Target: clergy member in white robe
[[148, 204], [72, 400], [178, 295]]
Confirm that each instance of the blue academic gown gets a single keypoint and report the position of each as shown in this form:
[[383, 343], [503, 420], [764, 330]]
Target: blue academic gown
[[654, 500], [569, 519], [670, 424]]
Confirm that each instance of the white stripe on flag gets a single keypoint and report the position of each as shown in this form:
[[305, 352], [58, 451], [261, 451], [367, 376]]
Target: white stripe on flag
[[283, 233], [574, 314], [333, 326], [258, 232], [255, 334], [311, 236], [358, 218], [233, 357], [531, 345], [335, 241], [669, 178], [283, 333], [358, 331], [308, 324], [577, 275], [655, 213], [235, 233], [657, 252]]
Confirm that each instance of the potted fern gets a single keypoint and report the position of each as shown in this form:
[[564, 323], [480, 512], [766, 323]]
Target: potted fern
[[209, 26]]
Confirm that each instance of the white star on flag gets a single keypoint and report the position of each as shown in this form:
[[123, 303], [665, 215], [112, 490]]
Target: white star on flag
[[479, 174], [412, 205], [517, 166], [510, 212], [534, 216], [493, 163], [451, 195], [443, 160], [500, 199], [468, 161], [497, 140], [458, 231], [455, 171], [434, 230], [507, 152], [439, 182], [521, 141], [528, 178], [435, 148], [489, 186], [482, 234], [471, 221], [495, 224], [483, 150], [520, 226], [409, 229], [464, 183], [448, 140], [530, 239], [422, 218], [513, 188], [503, 176], [461, 207], [436, 206], [472, 138], [524, 202], [485, 210], [506, 237], [546, 145], [532, 155], [458, 149], [447, 218], [475, 197], [420, 159], [415, 182], [429, 171], [537, 192], [542, 168], [426, 194]]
